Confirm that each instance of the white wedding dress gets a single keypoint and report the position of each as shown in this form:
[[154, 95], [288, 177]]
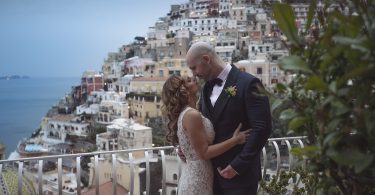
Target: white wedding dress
[[197, 175]]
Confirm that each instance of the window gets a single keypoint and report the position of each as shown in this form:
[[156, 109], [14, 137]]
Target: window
[[161, 74], [174, 176], [259, 71], [274, 70]]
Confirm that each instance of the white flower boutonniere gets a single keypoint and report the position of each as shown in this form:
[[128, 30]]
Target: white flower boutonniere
[[231, 91]]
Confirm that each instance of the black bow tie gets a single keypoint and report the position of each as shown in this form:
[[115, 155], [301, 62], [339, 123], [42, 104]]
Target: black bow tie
[[216, 81]]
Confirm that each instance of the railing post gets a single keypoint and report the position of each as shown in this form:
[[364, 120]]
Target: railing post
[[164, 172], [178, 165], [304, 158], [274, 143], [96, 174], [148, 175], [20, 167], [290, 154], [40, 177], [59, 175], [131, 161], [78, 174], [264, 161], [114, 174]]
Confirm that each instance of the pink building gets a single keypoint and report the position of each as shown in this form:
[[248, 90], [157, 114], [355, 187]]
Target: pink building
[[91, 81]]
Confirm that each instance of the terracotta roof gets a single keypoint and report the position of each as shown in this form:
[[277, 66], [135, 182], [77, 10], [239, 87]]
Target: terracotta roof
[[150, 79], [63, 117], [106, 188]]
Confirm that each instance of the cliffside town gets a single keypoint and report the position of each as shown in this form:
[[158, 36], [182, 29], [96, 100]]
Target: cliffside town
[[118, 107]]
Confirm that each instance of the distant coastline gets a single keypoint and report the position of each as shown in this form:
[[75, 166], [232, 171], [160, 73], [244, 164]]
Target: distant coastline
[[12, 77]]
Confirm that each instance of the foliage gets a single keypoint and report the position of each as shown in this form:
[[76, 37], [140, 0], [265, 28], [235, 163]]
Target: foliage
[[170, 35], [138, 40], [155, 175], [304, 184], [130, 54], [331, 98], [158, 131], [91, 137]]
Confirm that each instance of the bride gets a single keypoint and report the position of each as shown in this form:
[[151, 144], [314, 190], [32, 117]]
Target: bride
[[194, 134]]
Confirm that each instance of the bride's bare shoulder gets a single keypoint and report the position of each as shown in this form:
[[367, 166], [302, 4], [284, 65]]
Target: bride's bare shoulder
[[192, 115]]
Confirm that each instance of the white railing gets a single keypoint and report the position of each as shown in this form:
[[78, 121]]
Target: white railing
[[274, 144]]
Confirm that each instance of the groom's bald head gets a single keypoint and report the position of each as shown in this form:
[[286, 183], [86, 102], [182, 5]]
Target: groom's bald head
[[203, 61]]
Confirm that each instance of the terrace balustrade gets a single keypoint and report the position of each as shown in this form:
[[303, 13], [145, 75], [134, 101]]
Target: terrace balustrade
[[276, 157]]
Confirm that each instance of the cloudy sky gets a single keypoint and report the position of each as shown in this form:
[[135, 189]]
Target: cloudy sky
[[63, 38]]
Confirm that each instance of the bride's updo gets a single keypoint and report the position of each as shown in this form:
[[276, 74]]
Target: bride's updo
[[175, 97]]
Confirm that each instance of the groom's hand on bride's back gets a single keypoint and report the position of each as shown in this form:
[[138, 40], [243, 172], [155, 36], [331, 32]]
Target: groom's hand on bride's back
[[181, 154]]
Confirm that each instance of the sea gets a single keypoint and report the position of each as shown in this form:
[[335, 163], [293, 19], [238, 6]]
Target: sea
[[23, 104]]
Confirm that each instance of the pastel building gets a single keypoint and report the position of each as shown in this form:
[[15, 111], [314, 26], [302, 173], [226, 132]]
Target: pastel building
[[143, 107], [91, 81]]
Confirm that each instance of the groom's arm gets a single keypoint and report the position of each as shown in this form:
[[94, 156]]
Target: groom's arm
[[259, 117]]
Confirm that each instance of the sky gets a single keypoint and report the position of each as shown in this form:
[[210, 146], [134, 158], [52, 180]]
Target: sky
[[63, 38]]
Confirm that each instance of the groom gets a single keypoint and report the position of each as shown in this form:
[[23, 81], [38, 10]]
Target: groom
[[230, 97]]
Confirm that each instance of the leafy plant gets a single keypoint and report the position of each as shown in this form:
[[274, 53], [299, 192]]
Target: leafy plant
[[331, 98], [304, 183]]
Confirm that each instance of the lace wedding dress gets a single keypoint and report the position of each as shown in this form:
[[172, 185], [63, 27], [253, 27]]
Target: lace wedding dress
[[197, 175]]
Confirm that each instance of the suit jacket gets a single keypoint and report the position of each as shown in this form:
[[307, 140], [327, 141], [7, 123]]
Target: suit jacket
[[251, 109]]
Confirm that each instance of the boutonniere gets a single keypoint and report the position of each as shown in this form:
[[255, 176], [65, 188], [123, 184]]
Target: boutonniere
[[231, 91]]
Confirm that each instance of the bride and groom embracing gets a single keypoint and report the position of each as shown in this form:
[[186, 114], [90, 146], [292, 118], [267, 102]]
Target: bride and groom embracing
[[222, 136]]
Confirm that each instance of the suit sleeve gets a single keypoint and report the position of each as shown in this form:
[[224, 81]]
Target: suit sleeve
[[259, 117]]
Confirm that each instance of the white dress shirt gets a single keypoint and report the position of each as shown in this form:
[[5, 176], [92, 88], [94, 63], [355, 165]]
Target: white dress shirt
[[216, 91]]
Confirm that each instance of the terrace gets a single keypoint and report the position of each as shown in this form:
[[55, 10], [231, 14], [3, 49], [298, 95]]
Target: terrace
[[134, 170]]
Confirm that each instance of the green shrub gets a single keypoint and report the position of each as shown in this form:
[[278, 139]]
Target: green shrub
[[331, 98]]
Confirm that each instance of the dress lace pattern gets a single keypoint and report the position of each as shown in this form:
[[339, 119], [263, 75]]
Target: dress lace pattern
[[197, 175]]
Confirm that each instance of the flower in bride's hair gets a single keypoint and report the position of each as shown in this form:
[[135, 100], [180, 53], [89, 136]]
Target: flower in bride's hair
[[231, 91]]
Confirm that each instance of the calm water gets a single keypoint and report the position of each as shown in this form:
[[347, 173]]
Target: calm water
[[24, 102]]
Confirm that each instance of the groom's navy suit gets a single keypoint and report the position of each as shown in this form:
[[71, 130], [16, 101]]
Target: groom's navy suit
[[251, 109]]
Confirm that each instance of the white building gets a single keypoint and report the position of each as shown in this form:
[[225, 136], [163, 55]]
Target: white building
[[56, 129], [202, 26], [125, 134], [91, 109], [226, 44]]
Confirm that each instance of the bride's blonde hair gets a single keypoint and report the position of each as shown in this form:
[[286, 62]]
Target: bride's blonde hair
[[175, 97]]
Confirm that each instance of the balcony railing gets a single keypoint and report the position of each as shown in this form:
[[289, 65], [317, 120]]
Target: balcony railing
[[275, 157]]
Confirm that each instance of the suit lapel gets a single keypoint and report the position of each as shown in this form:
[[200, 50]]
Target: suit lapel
[[224, 97], [206, 103]]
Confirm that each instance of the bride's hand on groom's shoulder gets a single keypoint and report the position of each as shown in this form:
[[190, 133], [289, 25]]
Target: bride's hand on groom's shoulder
[[241, 136]]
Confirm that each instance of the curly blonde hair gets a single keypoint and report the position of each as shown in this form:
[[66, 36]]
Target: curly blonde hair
[[175, 97]]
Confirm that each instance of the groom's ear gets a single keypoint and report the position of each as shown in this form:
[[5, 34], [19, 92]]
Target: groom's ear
[[206, 59]]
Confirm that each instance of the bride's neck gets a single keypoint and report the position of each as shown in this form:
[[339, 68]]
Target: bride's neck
[[193, 102]]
